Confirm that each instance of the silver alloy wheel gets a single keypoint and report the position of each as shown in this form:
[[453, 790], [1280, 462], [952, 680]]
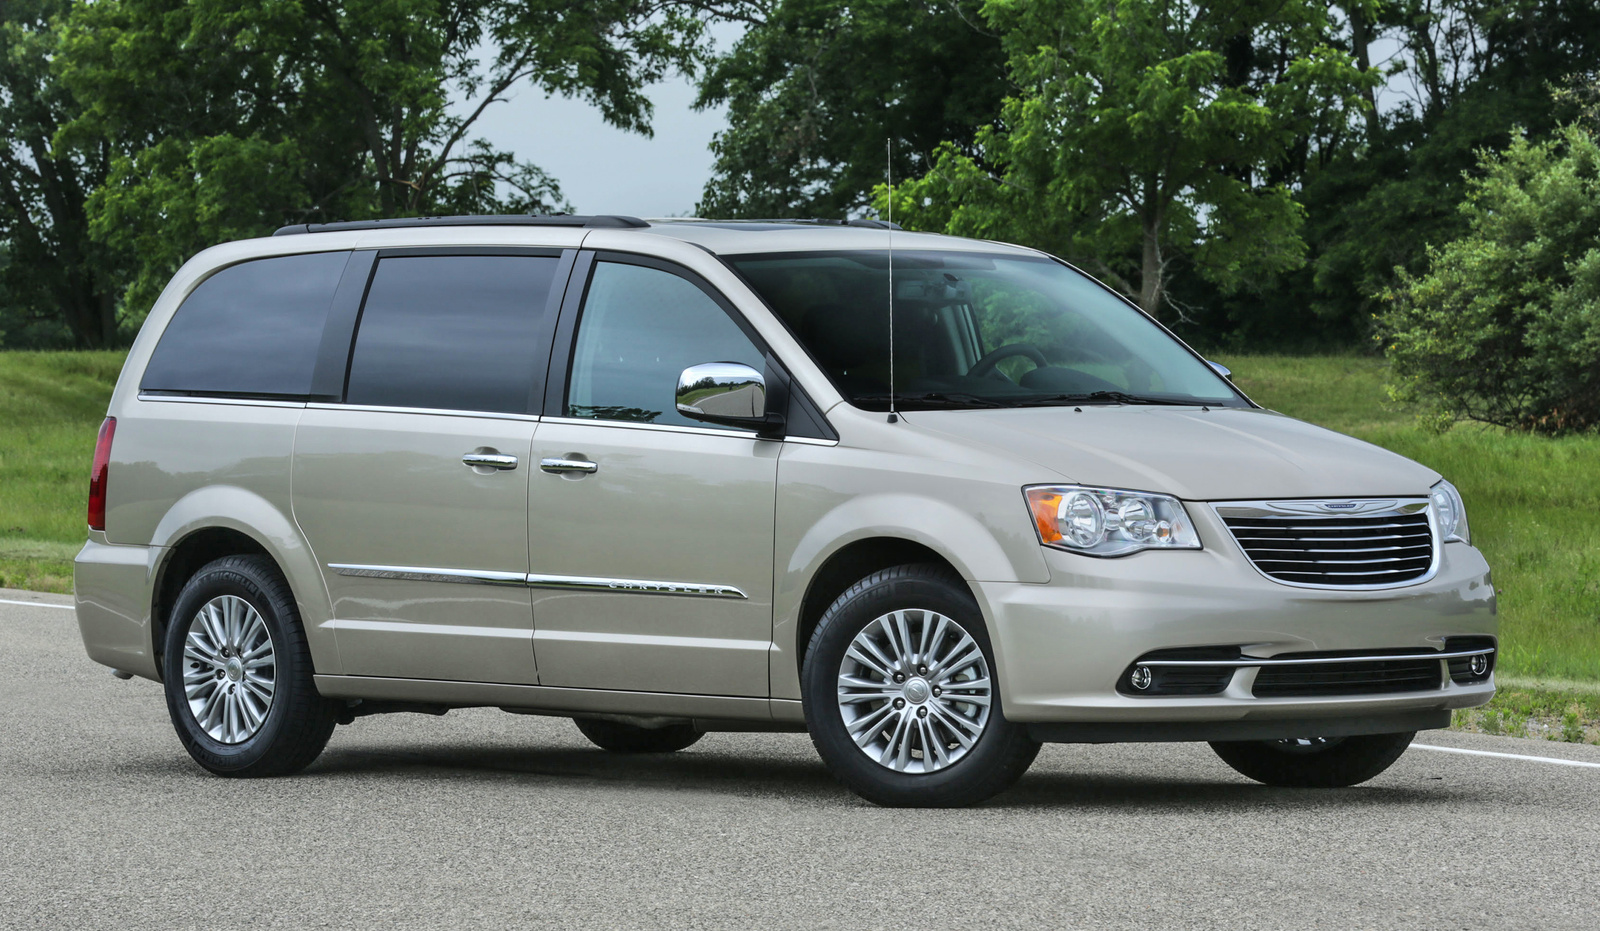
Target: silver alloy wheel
[[230, 672], [914, 691]]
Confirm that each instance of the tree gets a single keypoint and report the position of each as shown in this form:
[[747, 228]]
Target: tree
[[228, 118], [1147, 135], [1504, 325], [56, 284], [1463, 76], [814, 88]]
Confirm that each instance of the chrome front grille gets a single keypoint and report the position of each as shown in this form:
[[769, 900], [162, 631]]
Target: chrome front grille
[[1337, 543]]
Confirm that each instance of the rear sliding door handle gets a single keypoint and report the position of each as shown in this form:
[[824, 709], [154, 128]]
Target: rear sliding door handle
[[558, 466], [490, 461]]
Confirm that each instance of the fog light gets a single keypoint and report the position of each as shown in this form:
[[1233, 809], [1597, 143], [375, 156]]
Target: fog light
[[1479, 664], [1141, 677]]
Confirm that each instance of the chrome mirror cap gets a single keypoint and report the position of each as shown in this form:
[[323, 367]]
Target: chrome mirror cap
[[1221, 369], [718, 390]]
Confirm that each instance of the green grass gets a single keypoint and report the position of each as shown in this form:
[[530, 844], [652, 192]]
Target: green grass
[[1565, 711], [51, 405]]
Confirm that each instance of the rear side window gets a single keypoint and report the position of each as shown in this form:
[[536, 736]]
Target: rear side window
[[251, 329], [453, 332]]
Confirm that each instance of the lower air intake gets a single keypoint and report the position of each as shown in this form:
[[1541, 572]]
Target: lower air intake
[[1354, 678]]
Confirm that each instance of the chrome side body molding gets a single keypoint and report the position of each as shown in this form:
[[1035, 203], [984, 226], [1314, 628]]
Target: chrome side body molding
[[641, 586], [532, 580], [419, 574]]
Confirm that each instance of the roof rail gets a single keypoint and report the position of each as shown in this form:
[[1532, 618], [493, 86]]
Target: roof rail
[[823, 221], [516, 219]]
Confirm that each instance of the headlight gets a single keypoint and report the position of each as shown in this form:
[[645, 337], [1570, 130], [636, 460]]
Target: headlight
[[1108, 521], [1449, 513]]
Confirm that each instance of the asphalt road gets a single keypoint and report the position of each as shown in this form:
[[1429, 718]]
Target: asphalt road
[[485, 819]]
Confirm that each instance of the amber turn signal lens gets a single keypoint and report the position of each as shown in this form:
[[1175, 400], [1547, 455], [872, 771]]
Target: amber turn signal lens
[[1046, 506]]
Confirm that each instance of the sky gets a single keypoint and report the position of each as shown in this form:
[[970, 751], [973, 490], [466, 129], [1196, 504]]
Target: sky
[[602, 169]]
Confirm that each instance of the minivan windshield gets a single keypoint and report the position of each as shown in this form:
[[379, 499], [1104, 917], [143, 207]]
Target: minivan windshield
[[976, 330]]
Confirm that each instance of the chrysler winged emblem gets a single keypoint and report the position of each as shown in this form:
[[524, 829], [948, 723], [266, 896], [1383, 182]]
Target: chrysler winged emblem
[[1345, 506]]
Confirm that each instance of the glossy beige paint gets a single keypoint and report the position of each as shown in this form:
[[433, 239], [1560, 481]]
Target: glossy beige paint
[[1196, 454], [388, 488], [166, 450], [1060, 647], [182, 466], [159, 502], [113, 596], [1063, 625], [666, 504], [893, 481], [544, 699]]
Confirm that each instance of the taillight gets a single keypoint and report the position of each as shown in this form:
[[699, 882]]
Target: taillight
[[97, 476]]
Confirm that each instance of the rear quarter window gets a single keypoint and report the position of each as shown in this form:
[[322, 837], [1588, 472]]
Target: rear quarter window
[[252, 329]]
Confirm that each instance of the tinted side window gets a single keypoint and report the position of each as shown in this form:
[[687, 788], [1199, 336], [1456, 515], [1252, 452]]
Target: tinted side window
[[250, 329], [459, 332], [640, 328]]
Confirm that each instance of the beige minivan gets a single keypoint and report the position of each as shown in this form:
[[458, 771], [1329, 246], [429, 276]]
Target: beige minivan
[[933, 500]]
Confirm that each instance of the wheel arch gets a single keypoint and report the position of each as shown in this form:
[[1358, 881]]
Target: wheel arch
[[219, 521], [850, 564], [867, 533]]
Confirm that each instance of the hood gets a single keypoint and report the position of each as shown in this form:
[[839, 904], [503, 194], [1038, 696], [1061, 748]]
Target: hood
[[1199, 455]]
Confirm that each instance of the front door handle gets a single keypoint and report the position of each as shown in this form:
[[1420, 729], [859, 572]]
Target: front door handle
[[557, 466], [490, 461]]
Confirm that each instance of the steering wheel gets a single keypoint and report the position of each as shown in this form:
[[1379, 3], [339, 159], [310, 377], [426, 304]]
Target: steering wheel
[[986, 365]]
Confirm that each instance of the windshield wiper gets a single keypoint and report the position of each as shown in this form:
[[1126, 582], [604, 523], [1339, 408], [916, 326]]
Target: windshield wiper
[[954, 400], [1101, 397]]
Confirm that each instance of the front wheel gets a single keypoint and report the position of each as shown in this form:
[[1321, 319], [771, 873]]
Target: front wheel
[[901, 697], [1314, 762]]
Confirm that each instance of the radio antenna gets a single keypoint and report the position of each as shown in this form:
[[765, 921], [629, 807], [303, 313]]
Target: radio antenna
[[889, 229]]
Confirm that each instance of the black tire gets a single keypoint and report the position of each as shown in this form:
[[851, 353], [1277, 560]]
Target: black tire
[[298, 721], [628, 738], [1002, 752], [1314, 763]]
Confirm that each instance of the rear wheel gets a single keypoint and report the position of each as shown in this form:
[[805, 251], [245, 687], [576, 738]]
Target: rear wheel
[[629, 738], [1314, 762], [901, 697], [238, 675]]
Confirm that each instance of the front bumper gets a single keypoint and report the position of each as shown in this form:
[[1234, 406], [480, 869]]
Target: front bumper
[[1061, 647]]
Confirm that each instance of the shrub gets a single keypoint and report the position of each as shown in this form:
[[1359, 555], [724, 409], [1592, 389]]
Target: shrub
[[1504, 326]]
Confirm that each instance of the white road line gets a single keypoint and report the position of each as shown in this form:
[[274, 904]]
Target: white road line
[[1506, 756], [36, 604]]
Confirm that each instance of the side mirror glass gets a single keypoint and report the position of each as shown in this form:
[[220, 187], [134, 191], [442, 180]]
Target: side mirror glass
[[1221, 369], [727, 393]]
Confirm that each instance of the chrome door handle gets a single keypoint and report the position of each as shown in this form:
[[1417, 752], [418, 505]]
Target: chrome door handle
[[558, 466], [490, 461]]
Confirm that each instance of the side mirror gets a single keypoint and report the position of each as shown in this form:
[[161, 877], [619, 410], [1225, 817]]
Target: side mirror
[[1221, 369], [727, 393]]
